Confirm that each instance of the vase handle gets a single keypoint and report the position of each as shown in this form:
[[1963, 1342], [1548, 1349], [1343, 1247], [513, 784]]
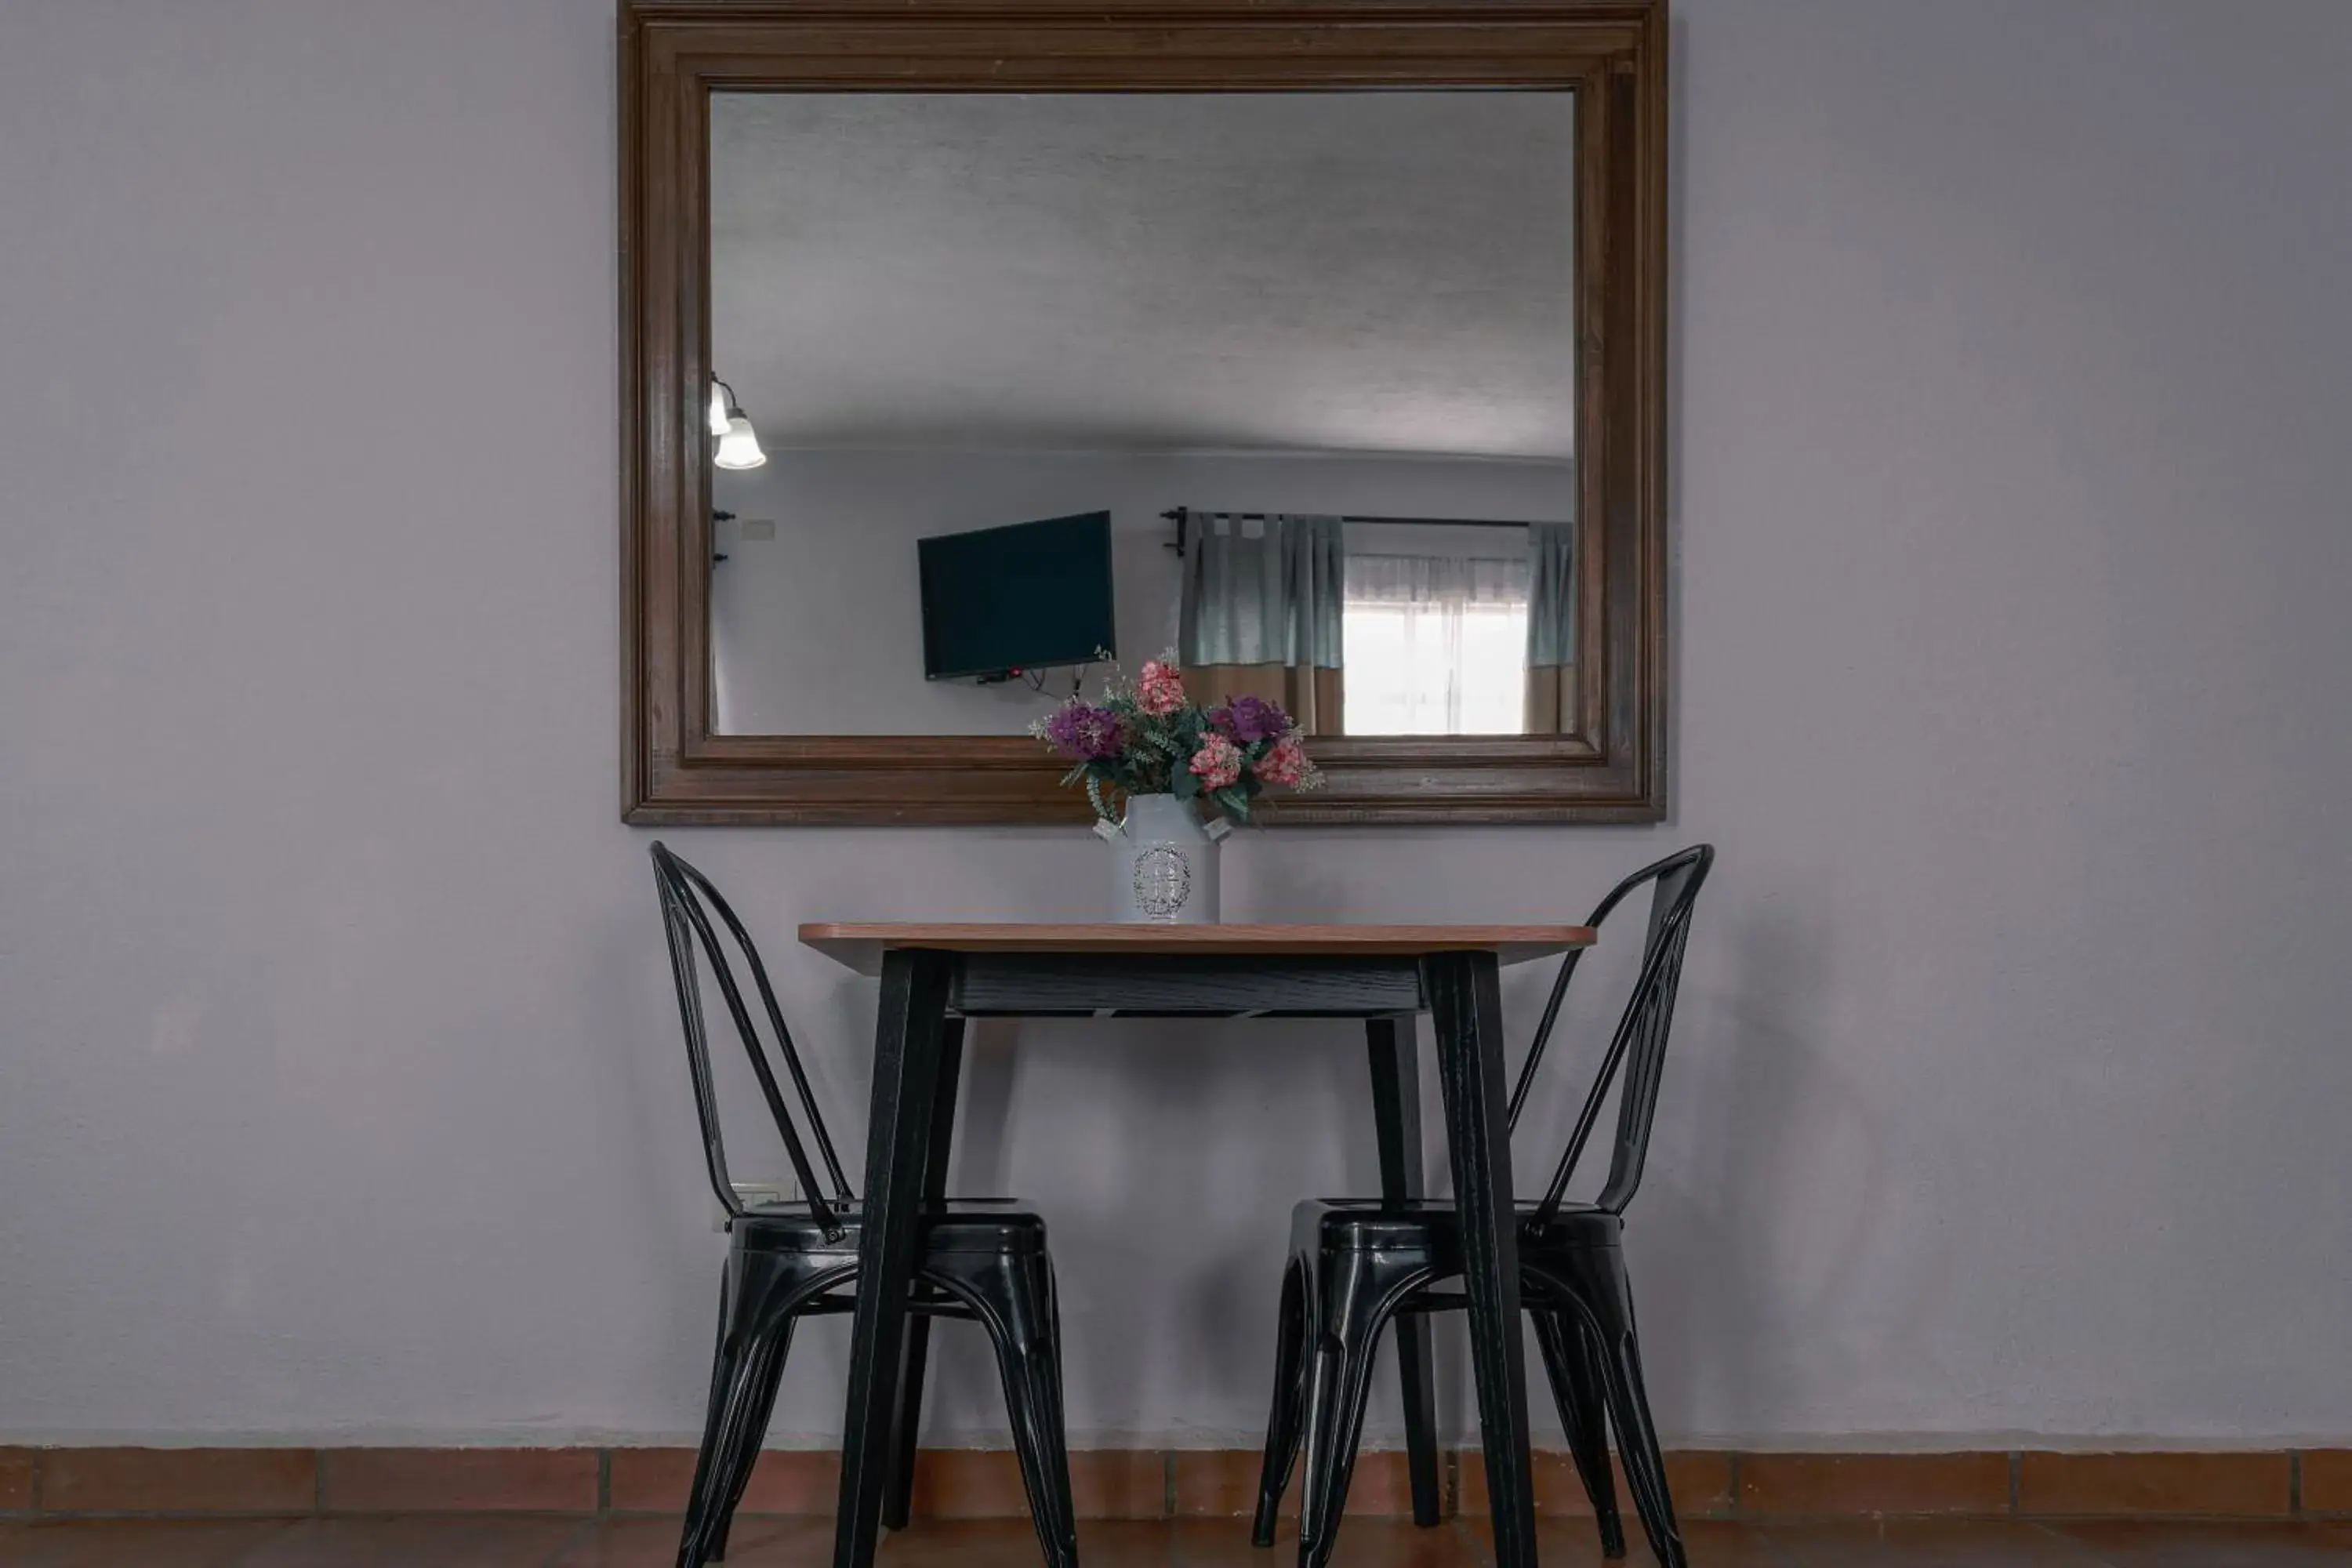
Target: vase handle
[[1216, 828], [1108, 831]]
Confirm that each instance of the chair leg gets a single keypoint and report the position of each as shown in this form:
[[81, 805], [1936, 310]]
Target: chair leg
[[1396, 1118], [770, 1348], [1016, 1299], [898, 1480], [753, 1335], [702, 1493], [1416, 1372], [1576, 1388], [1285, 1422], [1354, 1297], [1608, 1296], [914, 1359]]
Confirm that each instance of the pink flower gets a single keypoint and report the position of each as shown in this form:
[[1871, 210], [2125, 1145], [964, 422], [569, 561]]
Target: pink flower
[[1159, 689], [1218, 762], [1286, 763]]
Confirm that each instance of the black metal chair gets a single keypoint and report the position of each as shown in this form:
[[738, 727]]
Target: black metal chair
[[983, 1260], [1356, 1263]]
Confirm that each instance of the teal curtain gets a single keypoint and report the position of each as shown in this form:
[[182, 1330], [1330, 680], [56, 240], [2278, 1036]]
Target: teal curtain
[[1551, 628], [1260, 612]]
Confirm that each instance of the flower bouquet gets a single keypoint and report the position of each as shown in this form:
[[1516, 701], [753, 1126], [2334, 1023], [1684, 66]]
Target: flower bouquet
[[1151, 738], [1167, 758]]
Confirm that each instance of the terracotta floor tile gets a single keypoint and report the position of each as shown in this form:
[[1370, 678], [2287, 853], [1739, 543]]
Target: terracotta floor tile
[[755, 1542], [1221, 1483], [2327, 1480], [16, 1466], [968, 1483], [1839, 1484], [1925, 1544], [1370, 1542], [1120, 1483], [2251, 1543], [1127, 1543], [1713, 1543], [469, 1480], [490, 1541], [1226, 1543], [1699, 1480], [1381, 1486], [1558, 1490], [1576, 1543], [179, 1480], [2209, 1485], [133, 1543], [482, 1541], [647, 1543], [1010, 1544], [785, 1481], [650, 1480]]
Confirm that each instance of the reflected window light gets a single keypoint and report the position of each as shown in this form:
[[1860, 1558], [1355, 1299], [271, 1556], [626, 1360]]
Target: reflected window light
[[1434, 646]]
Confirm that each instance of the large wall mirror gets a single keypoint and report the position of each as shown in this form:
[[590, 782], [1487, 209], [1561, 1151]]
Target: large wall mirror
[[966, 346]]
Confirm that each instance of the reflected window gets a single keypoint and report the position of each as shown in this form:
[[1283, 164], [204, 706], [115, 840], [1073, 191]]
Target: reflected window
[[1436, 644]]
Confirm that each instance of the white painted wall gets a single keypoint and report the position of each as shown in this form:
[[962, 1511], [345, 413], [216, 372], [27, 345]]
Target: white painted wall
[[339, 1091], [819, 630]]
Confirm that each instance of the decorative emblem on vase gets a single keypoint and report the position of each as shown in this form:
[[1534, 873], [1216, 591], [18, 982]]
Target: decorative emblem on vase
[[1163, 880]]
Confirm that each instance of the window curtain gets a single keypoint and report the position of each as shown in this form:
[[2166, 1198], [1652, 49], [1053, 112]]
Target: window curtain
[[1435, 641], [1551, 628], [1260, 612]]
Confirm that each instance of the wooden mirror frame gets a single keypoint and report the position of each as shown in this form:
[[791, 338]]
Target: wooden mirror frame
[[675, 53]]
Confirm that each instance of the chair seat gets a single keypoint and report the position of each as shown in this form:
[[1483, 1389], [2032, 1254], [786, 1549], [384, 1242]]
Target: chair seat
[[1375, 1224], [957, 1225]]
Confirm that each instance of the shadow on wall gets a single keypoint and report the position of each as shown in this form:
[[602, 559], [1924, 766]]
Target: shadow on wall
[[1739, 1067], [1767, 1158]]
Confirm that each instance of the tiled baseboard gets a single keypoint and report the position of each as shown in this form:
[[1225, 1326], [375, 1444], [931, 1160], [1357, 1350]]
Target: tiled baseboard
[[1145, 1483]]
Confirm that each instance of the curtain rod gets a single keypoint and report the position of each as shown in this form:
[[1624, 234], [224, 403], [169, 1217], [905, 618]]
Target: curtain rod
[[1183, 515]]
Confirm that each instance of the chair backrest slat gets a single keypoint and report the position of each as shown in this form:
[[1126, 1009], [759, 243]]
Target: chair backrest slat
[[1638, 1045], [687, 900]]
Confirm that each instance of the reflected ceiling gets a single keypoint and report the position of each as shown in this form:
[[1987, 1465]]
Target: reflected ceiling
[[1343, 271]]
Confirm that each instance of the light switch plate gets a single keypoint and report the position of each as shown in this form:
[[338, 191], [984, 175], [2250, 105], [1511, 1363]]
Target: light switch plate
[[758, 528], [751, 1194]]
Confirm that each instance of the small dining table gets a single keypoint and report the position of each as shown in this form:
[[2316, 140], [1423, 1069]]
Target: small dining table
[[934, 975]]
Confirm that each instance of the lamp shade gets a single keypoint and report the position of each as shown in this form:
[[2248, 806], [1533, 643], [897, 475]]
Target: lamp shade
[[739, 448], [717, 409]]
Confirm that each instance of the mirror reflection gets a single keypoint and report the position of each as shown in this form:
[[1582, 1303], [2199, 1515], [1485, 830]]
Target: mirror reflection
[[1283, 381]]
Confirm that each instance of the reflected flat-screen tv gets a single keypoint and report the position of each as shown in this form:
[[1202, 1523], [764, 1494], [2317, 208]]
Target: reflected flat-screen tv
[[1027, 596]]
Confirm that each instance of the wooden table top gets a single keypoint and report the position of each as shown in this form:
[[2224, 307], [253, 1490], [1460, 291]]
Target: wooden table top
[[861, 945]]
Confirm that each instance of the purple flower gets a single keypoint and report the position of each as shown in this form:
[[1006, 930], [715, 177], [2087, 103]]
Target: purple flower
[[1086, 733], [1251, 719]]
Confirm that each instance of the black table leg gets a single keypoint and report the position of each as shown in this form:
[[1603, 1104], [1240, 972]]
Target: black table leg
[[1396, 1114], [898, 1486], [898, 1136], [1466, 1001]]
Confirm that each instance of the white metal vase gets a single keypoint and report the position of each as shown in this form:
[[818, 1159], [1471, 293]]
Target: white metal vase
[[1163, 862]]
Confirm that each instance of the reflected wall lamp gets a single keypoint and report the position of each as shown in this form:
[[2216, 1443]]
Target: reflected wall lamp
[[739, 447]]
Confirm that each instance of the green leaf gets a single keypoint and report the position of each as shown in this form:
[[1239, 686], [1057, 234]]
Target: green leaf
[[1184, 782]]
